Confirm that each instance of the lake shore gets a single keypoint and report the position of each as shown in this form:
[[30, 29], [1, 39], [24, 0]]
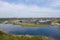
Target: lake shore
[[28, 24], [5, 36], [57, 24]]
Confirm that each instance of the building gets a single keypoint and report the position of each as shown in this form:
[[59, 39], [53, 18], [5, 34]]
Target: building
[[37, 21], [44, 21]]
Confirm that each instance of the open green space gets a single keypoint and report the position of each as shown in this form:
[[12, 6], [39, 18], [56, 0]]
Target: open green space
[[28, 24], [5, 36]]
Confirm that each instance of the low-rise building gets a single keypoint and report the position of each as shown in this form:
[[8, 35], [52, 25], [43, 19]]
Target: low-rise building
[[37, 21]]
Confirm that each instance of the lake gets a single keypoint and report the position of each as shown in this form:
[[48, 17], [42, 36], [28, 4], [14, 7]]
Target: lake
[[50, 31]]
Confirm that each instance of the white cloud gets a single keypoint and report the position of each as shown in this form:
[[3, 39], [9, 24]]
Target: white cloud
[[55, 3], [19, 10]]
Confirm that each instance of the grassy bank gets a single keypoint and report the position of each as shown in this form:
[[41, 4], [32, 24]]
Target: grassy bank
[[33, 25], [5, 36], [28, 24]]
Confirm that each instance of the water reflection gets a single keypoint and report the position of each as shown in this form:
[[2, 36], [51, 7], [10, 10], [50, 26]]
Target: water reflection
[[51, 31]]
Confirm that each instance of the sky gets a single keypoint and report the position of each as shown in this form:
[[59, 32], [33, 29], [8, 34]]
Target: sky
[[29, 8]]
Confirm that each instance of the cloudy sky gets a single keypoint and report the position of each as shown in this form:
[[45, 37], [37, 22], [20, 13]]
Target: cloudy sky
[[29, 8]]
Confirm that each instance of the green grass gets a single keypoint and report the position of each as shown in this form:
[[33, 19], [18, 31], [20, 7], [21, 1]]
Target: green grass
[[5, 36], [32, 25], [0, 22], [28, 24]]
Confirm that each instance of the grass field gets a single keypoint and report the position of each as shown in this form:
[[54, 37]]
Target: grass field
[[28, 24], [5, 36]]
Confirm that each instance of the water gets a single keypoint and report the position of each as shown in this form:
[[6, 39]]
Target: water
[[51, 31]]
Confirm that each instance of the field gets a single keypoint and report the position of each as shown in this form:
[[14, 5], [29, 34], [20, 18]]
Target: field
[[5, 36]]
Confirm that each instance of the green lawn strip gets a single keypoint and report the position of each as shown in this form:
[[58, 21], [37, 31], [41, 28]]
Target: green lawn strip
[[28, 24]]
